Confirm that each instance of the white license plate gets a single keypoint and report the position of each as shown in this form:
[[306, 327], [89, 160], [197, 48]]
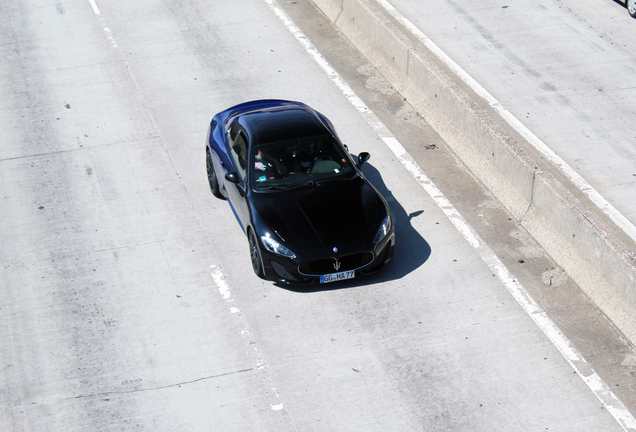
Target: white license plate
[[337, 276]]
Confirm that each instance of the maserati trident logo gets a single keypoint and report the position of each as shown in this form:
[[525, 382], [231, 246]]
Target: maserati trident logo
[[336, 265]]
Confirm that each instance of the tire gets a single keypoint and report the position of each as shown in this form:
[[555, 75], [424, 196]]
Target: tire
[[255, 255], [631, 7], [212, 179]]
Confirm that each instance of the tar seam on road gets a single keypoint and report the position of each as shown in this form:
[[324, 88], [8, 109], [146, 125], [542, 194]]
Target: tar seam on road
[[602, 391], [535, 141]]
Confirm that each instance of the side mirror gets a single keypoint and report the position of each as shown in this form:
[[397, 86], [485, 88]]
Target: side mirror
[[232, 177], [362, 158]]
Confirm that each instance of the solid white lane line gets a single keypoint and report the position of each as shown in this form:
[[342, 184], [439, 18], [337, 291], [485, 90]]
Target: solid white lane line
[[628, 227], [534, 311]]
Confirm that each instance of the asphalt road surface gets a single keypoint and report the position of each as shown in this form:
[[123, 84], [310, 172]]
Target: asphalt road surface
[[127, 301]]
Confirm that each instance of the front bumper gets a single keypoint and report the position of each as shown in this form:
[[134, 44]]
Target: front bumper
[[286, 271]]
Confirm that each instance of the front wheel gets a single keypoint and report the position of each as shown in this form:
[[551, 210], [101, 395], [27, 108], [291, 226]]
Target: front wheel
[[212, 179], [255, 255], [631, 7]]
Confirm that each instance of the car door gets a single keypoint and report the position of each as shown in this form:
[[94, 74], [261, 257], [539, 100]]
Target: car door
[[236, 181]]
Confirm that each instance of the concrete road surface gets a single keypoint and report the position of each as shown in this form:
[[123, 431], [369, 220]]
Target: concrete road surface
[[127, 301]]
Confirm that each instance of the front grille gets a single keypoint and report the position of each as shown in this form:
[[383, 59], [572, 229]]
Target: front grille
[[328, 265]]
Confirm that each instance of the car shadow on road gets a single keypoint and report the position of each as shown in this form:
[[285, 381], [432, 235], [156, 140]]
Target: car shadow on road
[[411, 249]]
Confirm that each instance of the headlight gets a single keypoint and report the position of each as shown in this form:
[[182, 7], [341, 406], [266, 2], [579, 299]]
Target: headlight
[[384, 230], [273, 246]]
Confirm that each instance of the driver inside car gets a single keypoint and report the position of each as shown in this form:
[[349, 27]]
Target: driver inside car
[[304, 160]]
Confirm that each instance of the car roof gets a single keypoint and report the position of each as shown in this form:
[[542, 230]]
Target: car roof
[[282, 124]]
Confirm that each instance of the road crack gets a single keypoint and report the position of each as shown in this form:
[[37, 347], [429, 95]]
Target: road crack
[[81, 396]]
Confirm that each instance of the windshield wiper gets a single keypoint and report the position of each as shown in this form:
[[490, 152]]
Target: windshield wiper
[[292, 186], [333, 180]]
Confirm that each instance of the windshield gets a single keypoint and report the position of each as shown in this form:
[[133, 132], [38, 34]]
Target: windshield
[[298, 162]]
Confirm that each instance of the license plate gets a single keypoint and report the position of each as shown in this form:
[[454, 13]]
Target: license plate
[[333, 277]]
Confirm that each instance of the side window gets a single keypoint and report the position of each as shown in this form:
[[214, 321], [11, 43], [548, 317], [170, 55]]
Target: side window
[[238, 152]]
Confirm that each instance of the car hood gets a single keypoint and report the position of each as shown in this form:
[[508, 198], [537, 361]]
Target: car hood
[[345, 215]]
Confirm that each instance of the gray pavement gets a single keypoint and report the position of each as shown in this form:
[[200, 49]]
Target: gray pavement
[[126, 296]]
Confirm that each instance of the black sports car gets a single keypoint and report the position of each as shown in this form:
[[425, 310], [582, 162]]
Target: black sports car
[[308, 212]]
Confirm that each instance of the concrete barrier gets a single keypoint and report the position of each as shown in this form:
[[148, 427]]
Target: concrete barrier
[[580, 238]]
